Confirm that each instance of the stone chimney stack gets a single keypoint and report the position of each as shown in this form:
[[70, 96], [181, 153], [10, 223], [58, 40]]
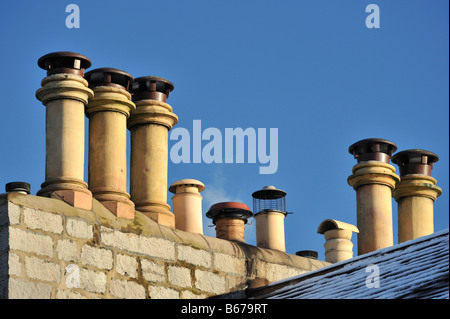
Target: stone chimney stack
[[230, 219], [415, 193], [338, 235], [149, 125], [373, 179], [187, 205], [65, 93], [270, 211], [108, 111]]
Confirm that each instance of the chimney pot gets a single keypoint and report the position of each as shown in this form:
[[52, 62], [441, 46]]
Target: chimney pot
[[151, 88], [229, 218], [415, 161], [338, 245], [64, 62], [109, 77], [187, 205], [372, 149], [19, 187], [415, 193], [373, 179]]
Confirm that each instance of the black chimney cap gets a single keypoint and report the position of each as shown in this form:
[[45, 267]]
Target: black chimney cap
[[307, 253], [151, 88], [109, 77], [64, 62], [415, 161], [372, 149], [18, 187]]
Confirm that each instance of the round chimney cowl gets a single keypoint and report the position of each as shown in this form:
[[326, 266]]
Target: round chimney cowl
[[20, 187], [415, 161], [151, 88], [109, 77], [64, 62], [373, 149], [229, 210]]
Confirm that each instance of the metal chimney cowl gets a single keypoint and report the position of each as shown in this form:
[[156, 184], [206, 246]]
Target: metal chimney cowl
[[269, 209]]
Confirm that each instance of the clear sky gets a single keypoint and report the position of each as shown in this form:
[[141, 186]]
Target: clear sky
[[311, 69]]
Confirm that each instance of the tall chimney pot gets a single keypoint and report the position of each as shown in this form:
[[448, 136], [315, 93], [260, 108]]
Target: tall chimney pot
[[108, 111], [415, 193], [149, 125], [65, 93], [373, 179]]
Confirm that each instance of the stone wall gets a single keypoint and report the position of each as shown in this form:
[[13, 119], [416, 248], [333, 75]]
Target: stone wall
[[49, 249]]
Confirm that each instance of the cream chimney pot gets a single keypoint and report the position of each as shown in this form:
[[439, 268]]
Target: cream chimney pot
[[230, 219], [415, 193], [108, 111], [373, 179], [269, 208], [149, 125], [187, 205], [65, 93], [338, 245]]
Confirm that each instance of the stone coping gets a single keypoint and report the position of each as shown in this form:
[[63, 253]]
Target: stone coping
[[142, 225]]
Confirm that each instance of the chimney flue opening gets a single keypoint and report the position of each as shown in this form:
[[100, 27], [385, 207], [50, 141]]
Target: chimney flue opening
[[109, 77], [415, 161], [151, 88], [372, 149], [19, 187], [64, 62]]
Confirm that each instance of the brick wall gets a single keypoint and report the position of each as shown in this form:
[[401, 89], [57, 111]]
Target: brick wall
[[49, 249]]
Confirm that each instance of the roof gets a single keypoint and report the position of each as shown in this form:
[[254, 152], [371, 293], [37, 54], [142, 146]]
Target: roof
[[417, 268]]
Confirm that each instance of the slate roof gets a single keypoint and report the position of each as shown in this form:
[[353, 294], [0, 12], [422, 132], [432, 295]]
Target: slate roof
[[417, 268]]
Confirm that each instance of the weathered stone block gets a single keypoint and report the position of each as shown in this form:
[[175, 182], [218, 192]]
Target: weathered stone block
[[96, 257], [30, 242], [179, 276], [37, 219], [78, 228]]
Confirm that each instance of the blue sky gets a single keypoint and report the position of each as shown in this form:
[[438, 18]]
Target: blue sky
[[312, 69]]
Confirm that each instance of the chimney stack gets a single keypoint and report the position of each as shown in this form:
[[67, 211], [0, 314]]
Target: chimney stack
[[373, 179], [65, 93], [108, 111], [270, 211], [338, 235], [149, 125], [415, 193], [230, 218], [187, 205]]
